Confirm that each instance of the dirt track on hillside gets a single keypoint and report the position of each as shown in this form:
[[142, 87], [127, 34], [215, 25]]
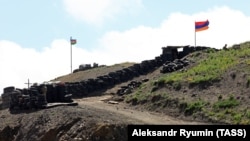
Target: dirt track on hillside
[[146, 117]]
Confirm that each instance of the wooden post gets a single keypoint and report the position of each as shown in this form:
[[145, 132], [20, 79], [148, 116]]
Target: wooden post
[[28, 83]]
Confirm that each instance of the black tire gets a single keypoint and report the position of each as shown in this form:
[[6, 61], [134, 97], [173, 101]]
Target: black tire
[[8, 89]]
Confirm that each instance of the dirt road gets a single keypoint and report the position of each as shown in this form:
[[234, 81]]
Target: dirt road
[[101, 102]]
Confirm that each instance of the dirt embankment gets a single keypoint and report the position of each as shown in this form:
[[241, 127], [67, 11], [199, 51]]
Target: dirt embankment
[[94, 118]]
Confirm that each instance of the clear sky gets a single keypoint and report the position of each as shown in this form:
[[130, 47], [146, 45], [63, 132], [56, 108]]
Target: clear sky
[[34, 35]]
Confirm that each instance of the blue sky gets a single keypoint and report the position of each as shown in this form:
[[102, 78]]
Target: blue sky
[[107, 31], [35, 24]]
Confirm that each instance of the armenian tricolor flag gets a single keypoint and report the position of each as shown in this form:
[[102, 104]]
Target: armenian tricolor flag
[[201, 25]]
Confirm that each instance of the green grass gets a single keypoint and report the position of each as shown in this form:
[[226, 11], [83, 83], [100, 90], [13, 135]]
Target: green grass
[[226, 103], [210, 68], [193, 107], [226, 110], [248, 114]]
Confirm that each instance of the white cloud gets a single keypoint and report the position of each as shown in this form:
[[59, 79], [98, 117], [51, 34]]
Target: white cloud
[[227, 26], [96, 11], [18, 64], [134, 45]]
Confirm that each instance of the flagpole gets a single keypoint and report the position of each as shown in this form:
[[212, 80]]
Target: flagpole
[[194, 38], [70, 54], [194, 35]]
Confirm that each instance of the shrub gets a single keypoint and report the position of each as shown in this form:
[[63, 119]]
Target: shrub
[[226, 103]]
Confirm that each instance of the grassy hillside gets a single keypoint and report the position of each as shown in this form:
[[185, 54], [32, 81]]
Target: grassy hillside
[[211, 65], [215, 88]]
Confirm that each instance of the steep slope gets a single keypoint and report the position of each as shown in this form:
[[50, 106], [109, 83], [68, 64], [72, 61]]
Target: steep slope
[[214, 88]]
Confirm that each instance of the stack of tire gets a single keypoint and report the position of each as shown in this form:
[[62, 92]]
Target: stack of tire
[[18, 100], [6, 96], [174, 66], [56, 93], [26, 99], [130, 86], [37, 99]]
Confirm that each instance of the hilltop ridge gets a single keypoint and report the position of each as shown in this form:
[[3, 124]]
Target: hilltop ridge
[[214, 86], [199, 85]]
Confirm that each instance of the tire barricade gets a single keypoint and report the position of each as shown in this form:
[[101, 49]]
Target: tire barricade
[[34, 96], [174, 66], [86, 87], [58, 92], [130, 87]]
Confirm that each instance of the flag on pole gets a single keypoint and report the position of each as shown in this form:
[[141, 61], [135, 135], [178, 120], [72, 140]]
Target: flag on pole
[[73, 41], [201, 25]]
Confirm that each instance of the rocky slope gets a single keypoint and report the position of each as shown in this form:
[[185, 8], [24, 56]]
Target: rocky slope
[[63, 123]]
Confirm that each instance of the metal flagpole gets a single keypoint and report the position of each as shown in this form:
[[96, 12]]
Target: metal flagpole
[[194, 38], [71, 54], [194, 35], [72, 42]]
